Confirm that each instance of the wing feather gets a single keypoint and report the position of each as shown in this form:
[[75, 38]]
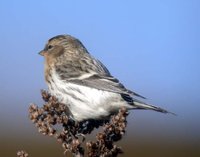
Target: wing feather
[[90, 72], [106, 83]]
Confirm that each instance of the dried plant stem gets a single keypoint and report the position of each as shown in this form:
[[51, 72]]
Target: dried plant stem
[[54, 113]]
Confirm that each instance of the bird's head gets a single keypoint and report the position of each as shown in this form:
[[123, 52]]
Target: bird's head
[[62, 44]]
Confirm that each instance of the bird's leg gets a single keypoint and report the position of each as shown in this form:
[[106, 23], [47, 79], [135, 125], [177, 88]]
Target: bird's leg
[[80, 135]]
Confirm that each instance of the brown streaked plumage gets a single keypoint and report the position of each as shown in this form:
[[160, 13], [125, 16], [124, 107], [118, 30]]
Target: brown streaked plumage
[[83, 83]]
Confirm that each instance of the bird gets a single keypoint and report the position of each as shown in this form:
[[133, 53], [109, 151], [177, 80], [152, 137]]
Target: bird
[[84, 84]]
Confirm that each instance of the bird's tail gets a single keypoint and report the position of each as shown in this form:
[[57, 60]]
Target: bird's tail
[[141, 105]]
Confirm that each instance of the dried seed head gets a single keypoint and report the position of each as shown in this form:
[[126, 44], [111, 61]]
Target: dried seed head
[[22, 153], [52, 113]]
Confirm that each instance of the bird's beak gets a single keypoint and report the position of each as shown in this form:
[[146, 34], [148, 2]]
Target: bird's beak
[[41, 53]]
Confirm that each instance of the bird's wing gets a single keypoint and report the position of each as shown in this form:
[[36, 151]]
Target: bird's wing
[[90, 72], [106, 83]]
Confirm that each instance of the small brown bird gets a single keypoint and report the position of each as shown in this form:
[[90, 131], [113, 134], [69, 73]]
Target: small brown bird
[[83, 83]]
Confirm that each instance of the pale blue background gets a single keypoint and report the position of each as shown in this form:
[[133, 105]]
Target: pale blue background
[[153, 47]]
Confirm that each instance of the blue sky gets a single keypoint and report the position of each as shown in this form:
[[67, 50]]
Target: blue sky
[[153, 47]]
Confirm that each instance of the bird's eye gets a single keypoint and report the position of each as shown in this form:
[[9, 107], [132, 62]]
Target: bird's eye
[[50, 47]]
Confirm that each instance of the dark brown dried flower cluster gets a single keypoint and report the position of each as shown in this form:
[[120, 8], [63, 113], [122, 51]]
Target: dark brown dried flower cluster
[[22, 154], [112, 131], [72, 134]]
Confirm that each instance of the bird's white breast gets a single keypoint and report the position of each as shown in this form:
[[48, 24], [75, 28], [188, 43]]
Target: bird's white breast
[[84, 102]]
